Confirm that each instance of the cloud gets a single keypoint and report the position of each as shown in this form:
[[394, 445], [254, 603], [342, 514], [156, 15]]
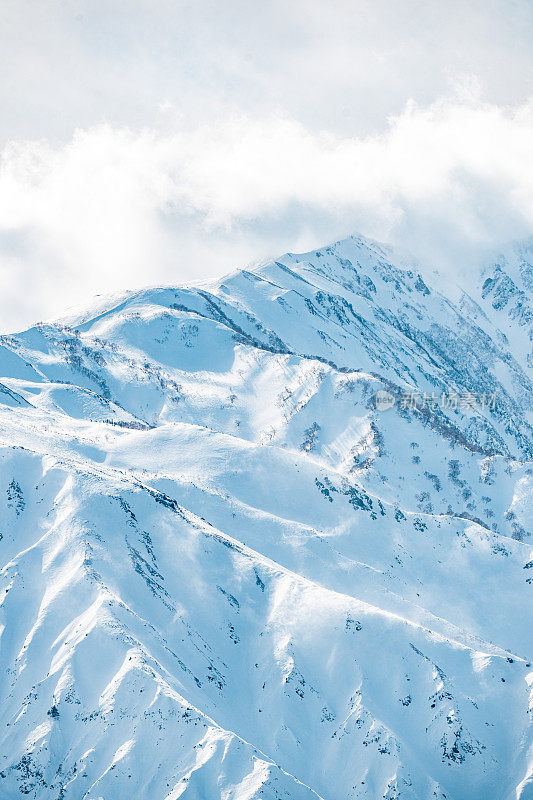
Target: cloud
[[341, 65], [114, 208], [156, 141]]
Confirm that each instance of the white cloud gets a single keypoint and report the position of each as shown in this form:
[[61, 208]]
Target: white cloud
[[343, 65], [114, 209], [156, 141]]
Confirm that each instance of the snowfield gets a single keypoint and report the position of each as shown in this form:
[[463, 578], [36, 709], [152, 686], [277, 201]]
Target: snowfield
[[225, 573]]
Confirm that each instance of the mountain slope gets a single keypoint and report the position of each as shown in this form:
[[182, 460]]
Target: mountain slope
[[227, 570]]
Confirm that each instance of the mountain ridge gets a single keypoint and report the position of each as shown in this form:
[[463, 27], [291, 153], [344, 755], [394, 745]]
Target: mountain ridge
[[229, 573]]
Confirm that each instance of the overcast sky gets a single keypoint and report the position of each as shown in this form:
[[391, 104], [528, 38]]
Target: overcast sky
[[150, 141]]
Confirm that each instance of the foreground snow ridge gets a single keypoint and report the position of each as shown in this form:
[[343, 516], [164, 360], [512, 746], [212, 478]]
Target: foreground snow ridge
[[226, 573]]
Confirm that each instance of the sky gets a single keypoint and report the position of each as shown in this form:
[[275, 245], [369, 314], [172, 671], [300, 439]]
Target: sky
[[152, 142]]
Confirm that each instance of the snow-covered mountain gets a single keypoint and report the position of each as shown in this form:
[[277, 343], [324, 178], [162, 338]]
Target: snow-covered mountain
[[271, 538]]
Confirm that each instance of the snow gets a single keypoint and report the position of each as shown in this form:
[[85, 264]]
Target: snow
[[225, 573]]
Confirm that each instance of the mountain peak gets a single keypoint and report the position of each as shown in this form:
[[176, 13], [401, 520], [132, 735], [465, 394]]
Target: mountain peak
[[267, 537]]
